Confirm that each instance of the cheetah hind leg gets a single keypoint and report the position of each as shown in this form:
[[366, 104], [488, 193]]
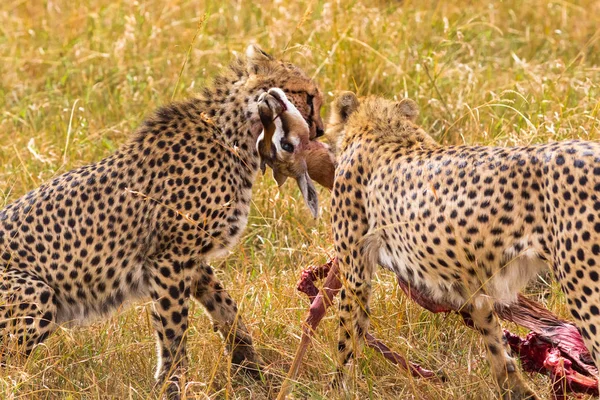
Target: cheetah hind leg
[[27, 314], [223, 312], [503, 365]]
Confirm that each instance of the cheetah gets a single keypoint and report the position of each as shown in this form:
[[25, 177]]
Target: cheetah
[[145, 221], [468, 226]]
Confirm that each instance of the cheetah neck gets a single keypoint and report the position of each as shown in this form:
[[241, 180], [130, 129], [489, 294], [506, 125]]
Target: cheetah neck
[[225, 115], [233, 109]]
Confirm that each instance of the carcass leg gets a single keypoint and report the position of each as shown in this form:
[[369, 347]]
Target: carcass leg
[[320, 301], [315, 315]]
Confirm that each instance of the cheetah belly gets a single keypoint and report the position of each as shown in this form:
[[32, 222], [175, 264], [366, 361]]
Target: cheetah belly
[[222, 248], [514, 275], [438, 289], [127, 287], [502, 287], [229, 226]]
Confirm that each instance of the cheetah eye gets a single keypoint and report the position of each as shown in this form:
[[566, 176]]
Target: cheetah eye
[[287, 146]]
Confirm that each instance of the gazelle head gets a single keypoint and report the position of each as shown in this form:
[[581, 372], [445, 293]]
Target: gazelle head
[[285, 144]]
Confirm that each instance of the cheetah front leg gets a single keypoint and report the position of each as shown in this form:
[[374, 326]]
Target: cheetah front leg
[[354, 306], [223, 312], [503, 365], [170, 284]]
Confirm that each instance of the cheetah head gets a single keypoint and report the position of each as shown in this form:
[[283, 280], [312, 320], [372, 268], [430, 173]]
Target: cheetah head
[[285, 144], [347, 104], [265, 71]]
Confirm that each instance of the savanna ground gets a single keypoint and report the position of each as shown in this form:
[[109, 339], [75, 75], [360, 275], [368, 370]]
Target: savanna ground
[[77, 77]]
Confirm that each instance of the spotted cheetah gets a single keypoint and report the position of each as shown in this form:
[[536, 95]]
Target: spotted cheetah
[[145, 221], [467, 226]]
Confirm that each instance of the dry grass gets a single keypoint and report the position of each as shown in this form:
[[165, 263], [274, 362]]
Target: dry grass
[[76, 77]]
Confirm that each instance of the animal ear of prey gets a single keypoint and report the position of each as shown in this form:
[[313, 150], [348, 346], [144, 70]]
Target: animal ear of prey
[[309, 192], [307, 188]]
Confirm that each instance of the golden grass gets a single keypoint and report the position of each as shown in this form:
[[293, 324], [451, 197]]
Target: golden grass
[[76, 77]]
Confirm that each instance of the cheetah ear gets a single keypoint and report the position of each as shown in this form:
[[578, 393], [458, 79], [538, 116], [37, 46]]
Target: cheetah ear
[[343, 106], [309, 192], [407, 108], [256, 57]]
